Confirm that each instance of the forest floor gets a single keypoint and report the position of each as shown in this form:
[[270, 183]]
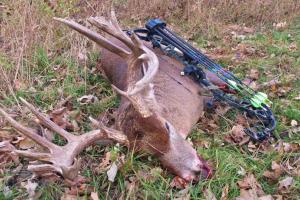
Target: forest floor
[[62, 65]]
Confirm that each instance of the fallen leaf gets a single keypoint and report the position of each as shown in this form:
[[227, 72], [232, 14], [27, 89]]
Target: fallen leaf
[[26, 143], [249, 194], [87, 99], [275, 173], [66, 196], [112, 172], [150, 176], [250, 183], [280, 26], [182, 195], [131, 187], [293, 46], [94, 196], [225, 192], [294, 123], [284, 147], [285, 183], [7, 154], [105, 163], [178, 183], [237, 135], [31, 189], [254, 74], [242, 171], [19, 85], [60, 117], [278, 197], [297, 97], [267, 197], [209, 195], [270, 84], [6, 135], [283, 91]]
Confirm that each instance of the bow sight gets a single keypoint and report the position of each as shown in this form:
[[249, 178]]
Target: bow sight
[[254, 104]]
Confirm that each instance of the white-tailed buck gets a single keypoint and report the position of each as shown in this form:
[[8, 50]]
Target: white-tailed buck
[[158, 108]]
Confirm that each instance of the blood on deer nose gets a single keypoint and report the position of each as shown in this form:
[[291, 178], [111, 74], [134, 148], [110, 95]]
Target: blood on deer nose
[[206, 171]]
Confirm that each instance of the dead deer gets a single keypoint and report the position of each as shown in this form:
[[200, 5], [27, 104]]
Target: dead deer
[[158, 107]]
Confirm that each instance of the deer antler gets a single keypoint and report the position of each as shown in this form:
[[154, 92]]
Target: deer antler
[[139, 92], [59, 159]]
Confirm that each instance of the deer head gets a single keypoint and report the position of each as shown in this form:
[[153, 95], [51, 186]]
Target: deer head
[[141, 119]]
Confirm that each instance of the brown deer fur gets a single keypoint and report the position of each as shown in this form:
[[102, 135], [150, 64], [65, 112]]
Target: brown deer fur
[[181, 106]]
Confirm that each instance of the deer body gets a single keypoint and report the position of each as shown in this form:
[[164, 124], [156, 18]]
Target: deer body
[[179, 102], [178, 96]]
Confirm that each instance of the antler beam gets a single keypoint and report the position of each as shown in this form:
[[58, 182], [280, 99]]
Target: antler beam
[[59, 159], [139, 89]]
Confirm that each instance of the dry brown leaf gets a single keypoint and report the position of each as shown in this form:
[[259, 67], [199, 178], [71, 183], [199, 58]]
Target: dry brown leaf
[[131, 186], [94, 196], [241, 120], [150, 176], [278, 197], [275, 173], [280, 26], [249, 194], [31, 189], [267, 197], [87, 99], [270, 84], [237, 135], [105, 163], [285, 183], [225, 192], [26, 143], [283, 91], [182, 195], [293, 46], [66, 196], [19, 85], [6, 135], [7, 154], [209, 195], [284, 147], [178, 183], [254, 74], [250, 183], [60, 117], [297, 97]]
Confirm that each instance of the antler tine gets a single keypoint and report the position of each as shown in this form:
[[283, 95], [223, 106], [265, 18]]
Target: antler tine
[[139, 91], [113, 134], [60, 159], [47, 122], [28, 132], [110, 28], [34, 155], [152, 63], [95, 37]]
